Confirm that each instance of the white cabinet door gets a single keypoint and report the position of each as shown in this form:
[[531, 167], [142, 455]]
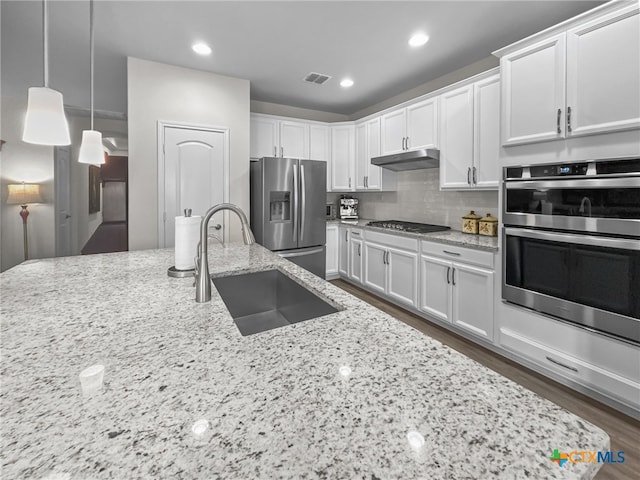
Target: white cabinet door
[[394, 128], [264, 137], [374, 175], [294, 140], [343, 254], [435, 287], [342, 157], [402, 275], [361, 157], [456, 138], [333, 250], [473, 299], [355, 257], [320, 147], [603, 74], [486, 151], [375, 270], [533, 93], [422, 125]]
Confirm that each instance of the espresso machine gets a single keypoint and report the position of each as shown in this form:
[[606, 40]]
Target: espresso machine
[[347, 208]]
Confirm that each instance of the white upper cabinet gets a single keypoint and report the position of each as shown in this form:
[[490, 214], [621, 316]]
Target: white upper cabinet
[[265, 139], [456, 140], [410, 128], [486, 132], [533, 92], [342, 157], [294, 139], [320, 147], [470, 135], [272, 137], [603, 74], [368, 176], [422, 125], [582, 80], [394, 131]]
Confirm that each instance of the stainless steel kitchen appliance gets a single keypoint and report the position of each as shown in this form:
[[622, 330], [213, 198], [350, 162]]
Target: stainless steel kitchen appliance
[[411, 227], [571, 243], [348, 208], [288, 215]]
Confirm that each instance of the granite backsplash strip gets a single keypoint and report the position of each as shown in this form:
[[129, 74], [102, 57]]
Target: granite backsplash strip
[[419, 199]]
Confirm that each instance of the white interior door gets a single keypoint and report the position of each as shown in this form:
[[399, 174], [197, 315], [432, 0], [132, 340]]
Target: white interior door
[[62, 157], [194, 177]]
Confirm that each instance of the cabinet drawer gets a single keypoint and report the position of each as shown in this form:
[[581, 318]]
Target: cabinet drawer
[[459, 254], [397, 241], [356, 233], [607, 382]]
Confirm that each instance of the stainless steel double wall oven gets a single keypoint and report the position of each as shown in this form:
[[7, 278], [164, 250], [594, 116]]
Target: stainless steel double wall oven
[[571, 243]]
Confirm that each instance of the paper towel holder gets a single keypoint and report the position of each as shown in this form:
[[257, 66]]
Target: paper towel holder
[[173, 271]]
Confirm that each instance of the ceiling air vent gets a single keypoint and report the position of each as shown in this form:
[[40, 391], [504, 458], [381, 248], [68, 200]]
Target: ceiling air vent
[[317, 78]]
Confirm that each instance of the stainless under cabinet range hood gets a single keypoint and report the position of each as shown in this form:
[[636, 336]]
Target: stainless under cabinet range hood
[[413, 160]]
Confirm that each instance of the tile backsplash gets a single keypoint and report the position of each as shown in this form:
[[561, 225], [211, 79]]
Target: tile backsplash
[[419, 199]]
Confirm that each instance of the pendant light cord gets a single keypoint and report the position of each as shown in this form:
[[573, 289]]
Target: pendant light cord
[[91, 48], [45, 43]]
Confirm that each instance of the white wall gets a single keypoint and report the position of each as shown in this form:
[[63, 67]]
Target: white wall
[[164, 92], [20, 161]]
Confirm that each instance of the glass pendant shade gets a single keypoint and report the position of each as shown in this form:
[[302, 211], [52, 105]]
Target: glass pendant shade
[[45, 123], [91, 149]]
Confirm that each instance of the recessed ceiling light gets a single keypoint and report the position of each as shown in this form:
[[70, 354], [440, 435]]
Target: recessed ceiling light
[[346, 83], [418, 40], [201, 48]]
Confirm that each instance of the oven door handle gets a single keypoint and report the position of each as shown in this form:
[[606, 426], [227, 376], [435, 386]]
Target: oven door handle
[[616, 182], [606, 242]]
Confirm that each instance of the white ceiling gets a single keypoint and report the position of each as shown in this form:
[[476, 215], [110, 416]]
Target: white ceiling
[[273, 44]]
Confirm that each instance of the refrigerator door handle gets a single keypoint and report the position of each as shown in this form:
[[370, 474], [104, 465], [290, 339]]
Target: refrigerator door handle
[[303, 207], [299, 254], [296, 205]]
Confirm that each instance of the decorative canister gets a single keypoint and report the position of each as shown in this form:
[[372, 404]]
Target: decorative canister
[[470, 222], [489, 226]]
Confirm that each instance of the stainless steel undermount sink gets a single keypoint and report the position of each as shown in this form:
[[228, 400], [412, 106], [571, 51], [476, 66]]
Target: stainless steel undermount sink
[[262, 301]]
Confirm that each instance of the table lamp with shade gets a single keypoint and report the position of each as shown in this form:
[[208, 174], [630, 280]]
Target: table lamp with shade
[[23, 194]]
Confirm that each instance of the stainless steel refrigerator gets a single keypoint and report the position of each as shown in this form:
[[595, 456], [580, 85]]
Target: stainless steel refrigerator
[[288, 199]]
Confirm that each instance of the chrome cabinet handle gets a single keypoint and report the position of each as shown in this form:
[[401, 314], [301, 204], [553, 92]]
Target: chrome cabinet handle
[[448, 272], [453, 277], [569, 119], [349, 182], [388, 262], [475, 177], [282, 151], [346, 235], [359, 249], [406, 144], [451, 253], [275, 151], [558, 120], [469, 175], [560, 364]]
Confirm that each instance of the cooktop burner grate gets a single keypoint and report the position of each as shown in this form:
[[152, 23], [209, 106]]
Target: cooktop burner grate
[[411, 227]]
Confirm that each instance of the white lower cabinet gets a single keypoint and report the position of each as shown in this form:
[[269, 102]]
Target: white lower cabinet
[[457, 292], [333, 251], [391, 267], [355, 256], [343, 251]]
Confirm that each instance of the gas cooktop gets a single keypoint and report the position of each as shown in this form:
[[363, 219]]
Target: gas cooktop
[[411, 227]]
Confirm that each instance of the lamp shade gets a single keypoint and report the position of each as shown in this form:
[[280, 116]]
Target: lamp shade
[[45, 123], [23, 193], [91, 149]]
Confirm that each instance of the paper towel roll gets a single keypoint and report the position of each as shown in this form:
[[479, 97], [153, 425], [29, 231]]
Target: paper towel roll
[[186, 244]]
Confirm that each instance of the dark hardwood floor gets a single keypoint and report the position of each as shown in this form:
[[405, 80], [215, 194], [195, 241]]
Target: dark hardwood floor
[[623, 430]]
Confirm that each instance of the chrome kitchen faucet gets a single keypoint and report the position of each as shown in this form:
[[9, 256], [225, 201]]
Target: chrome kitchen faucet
[[202, 280]]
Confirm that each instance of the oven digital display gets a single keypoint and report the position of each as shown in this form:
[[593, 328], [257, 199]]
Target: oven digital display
[[564, 170]]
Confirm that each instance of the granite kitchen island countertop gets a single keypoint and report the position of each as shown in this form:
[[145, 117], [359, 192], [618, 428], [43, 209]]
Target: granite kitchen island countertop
[[450, 237], [279, 404]]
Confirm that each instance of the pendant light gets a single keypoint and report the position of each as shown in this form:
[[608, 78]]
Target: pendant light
[[45, 123], [91, 149]]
